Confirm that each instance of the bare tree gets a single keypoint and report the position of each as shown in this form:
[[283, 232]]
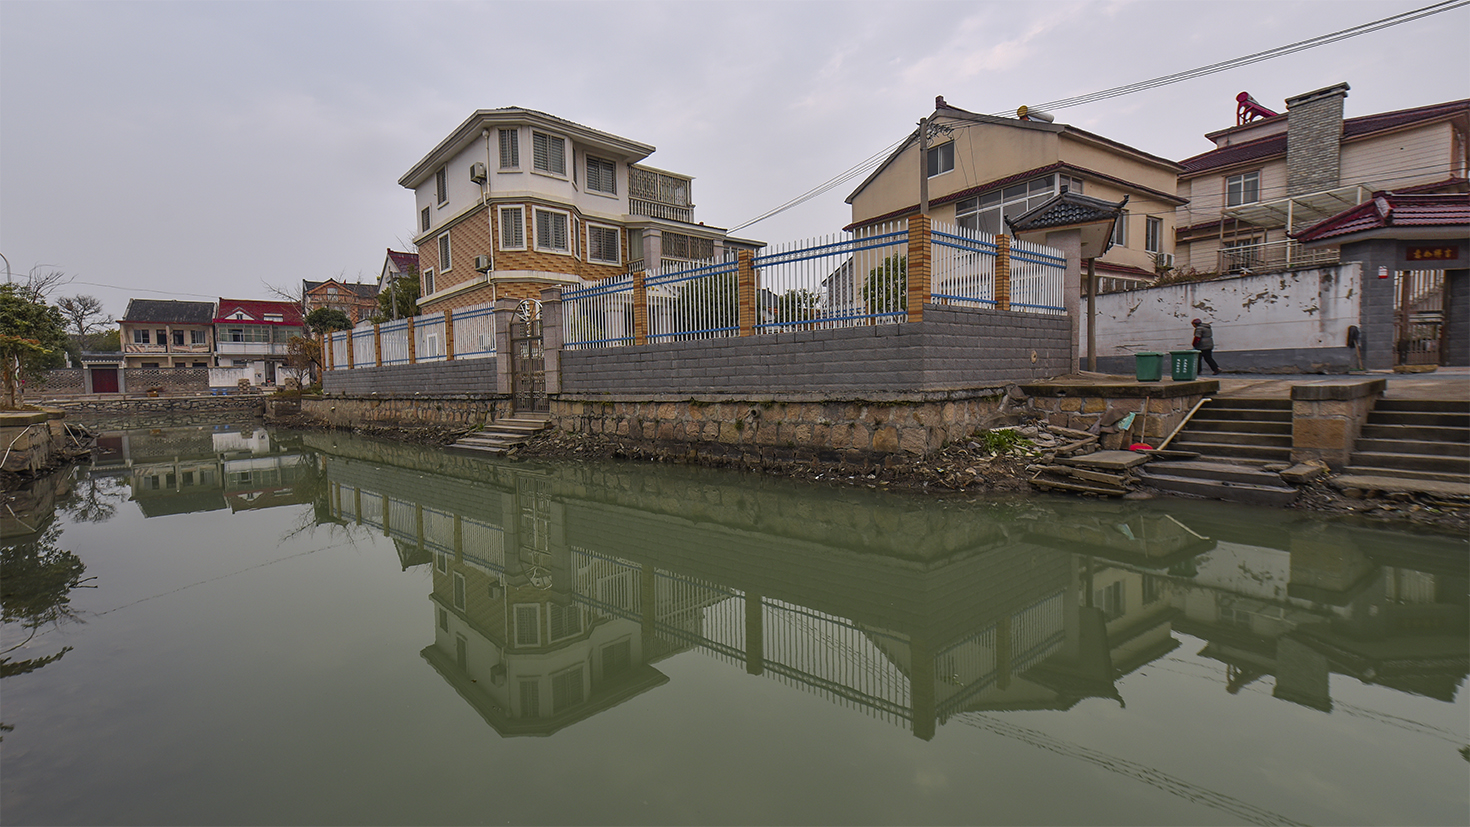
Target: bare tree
[[84, 317], [42, 279]]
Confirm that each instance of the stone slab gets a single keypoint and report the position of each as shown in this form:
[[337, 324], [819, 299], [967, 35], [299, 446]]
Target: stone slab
[[1338, 389], [1368, 482], [1108, 460]]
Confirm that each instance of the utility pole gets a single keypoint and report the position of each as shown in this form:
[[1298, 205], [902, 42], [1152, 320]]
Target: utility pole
[[924, 165]]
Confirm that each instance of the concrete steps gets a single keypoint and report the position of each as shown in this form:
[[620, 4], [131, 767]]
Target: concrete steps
[[501, 435], [1215, 480], [1240, 430], [1424, 439]]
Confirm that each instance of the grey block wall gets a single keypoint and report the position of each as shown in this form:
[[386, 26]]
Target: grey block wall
[[1323, 360], [1457, 317], [466, 377], [951, 348]]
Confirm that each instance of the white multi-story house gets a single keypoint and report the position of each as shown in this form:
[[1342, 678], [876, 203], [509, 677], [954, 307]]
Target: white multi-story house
[[515, 200], [1273, 174]]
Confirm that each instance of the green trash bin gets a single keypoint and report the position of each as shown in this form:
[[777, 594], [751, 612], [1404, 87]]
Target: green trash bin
[[1185, 365], [1148, 367]]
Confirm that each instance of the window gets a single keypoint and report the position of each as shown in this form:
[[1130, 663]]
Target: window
[[426, 284], [424, 221], [441, 186], [1243, 189], [443, 620], [1110, 600], [510, 149], [1066, 183], [162, 337], [602, 175], [444, 262], [274, 317], [459, 591], [197, 337], [941, 159], [602, 244], [512, 228], [984, 212], [441, 562], [530, 699], [617, 658], [178, 338], [140, 337], [1120, 230], [528, 629], [566, 689], [565, 621], [551, 231], [1153, 235], [200, 365], [549, 153]]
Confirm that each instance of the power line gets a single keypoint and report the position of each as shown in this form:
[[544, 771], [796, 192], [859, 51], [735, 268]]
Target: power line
[[874, 160]]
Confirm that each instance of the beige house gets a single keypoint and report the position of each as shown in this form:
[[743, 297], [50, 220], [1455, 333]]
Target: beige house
[[983, 169], [515, 200], [1275, 173], [167, 334]]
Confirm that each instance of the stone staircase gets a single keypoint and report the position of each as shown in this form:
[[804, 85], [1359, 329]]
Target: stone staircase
[[1234, 437], [1419, 439], [501, 435]]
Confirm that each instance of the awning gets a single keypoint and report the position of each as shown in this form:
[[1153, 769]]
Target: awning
[[1300, 210]]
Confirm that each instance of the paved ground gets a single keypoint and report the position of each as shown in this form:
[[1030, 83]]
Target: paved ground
[[1444, 383]]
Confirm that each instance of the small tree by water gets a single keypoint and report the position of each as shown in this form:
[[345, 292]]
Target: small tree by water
[[32, 341]]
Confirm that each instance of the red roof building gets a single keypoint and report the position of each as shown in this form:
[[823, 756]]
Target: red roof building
[[248, 331]]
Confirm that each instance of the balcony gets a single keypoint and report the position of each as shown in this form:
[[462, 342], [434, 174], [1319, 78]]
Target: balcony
[[251, 349], [1273, 256], [656, 194]]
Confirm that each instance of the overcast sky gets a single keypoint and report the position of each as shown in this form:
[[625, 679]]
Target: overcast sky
[[195, 150]]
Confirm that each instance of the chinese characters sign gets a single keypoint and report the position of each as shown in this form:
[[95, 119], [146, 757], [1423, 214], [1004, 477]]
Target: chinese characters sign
[[1432, 252]]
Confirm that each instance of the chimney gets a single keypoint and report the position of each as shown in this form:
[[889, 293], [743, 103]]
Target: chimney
[[1314, 140]]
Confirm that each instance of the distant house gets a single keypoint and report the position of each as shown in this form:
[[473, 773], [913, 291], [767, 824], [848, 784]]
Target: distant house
[[356, 300], [249, 332], [983, 169], [167, 334], [515, 200], [397, 264], [1273, 174]]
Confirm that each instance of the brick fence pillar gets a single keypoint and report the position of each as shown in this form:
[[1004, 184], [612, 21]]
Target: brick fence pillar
[[324, 345], [412, 345], [1003, 272], [449, 335], [551, 337], [377, 345], [745, 289], [640, 307], [918, 268], [351, 349]]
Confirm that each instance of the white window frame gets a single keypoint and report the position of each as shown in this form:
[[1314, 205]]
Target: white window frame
[[426, 282], [141, 336], [550, 168], [516, 615], [612, 174], [511, 148], [520, 225], [446, 259], [1240, 181], [1074, 185], [426, 221], [1120, 230], [937, 152], [536, 230], [1153, 235], [441, 186], [617, 243]]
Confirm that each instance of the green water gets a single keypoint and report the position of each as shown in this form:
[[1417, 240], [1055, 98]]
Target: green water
[[283, 628]]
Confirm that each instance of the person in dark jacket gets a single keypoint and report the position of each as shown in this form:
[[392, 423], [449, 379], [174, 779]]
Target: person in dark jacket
[[1204, 342]]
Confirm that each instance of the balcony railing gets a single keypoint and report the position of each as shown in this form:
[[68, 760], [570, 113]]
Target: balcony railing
[[1273, 255]]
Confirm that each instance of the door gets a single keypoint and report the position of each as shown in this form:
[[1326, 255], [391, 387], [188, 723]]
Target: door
[[104, 380], [528, 360], [1418, 319]]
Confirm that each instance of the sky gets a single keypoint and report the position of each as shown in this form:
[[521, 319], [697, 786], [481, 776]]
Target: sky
[[194, 150]]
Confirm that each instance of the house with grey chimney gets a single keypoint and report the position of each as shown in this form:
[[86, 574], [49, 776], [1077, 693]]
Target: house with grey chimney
[[1276, 173]]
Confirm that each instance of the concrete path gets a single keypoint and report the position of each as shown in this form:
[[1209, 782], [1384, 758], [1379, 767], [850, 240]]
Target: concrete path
[[1444, 383]]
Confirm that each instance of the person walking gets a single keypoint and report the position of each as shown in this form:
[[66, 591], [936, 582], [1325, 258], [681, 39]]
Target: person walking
[[1204, 342]]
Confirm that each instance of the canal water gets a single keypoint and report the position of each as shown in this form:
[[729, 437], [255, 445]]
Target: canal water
[[223, 625]]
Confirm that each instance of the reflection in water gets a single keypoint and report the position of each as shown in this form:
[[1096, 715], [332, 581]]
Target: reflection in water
[[557, 591], [36, 575]]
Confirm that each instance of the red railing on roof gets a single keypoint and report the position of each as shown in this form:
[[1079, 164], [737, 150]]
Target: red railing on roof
[[1247, 110]]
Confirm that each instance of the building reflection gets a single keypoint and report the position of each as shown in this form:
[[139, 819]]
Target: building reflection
[[179, 470], [557, 591]]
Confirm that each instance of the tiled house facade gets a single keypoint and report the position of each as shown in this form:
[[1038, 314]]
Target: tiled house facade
[[515, 200], [167, 334]]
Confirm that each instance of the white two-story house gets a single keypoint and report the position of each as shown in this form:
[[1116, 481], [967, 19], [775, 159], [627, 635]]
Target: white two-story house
[[515, 200]]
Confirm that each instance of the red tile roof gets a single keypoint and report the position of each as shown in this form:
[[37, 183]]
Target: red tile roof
[[256, 311], [405, 262], [1390, 209], [1272, 145]]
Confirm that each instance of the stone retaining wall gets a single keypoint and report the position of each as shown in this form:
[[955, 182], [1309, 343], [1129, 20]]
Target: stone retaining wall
[[1158, 408], [406, 411], [467, 377], [1328, 417], [30, 441]]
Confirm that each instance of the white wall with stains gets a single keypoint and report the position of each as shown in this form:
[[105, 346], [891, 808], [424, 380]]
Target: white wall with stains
[[1307, 310]]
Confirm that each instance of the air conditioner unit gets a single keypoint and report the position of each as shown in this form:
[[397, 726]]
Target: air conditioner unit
[[482, 263], [1163, 260], [497, 674], [477, 172]]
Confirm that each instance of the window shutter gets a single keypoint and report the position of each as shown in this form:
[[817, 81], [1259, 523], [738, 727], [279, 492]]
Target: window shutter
[[512, 228], [510, 149]]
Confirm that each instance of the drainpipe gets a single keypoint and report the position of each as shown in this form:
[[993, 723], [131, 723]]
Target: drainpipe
[[485, 201]]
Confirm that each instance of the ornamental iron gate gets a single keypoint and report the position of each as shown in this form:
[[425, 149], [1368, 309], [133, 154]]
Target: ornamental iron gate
[[528, 360], [1418, 319]]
